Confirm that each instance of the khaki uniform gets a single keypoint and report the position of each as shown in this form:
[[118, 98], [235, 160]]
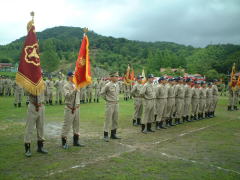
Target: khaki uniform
[[147, 92], [209, 100], [71, 109], [170, 101], [215, 96], [89, 92], [126, 88], [138, 104], [59, 90], [187, 101], [83, 94], [180, 94], [18, 94], [35, 118], [97, 88], [110, 93], [202, 100], [195, 101], [161, 101]]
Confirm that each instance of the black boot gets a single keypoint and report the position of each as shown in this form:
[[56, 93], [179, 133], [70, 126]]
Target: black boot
[[235, 108], [157, 125], [149, 125], [114, 134], [195, 117], [170, 122], [138, 121], [64, 143], [94, 100], [97, 100], [179, 122], [105, 137], [134, 122], [27, 150], [199, 116], [76, 141], [27, 103], [90, 100], [206, 115], [213, 113], [144, 129], [176, 121], [184, 119], [60, 102], [19, 104], [40, 148], [161, 125], [15, 105], [188, 119], [155, 117]]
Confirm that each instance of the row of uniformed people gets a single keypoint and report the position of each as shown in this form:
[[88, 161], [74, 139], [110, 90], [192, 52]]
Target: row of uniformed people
[[173, 99]]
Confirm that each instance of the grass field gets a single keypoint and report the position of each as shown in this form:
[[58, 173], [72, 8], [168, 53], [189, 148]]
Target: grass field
[[205, 149]]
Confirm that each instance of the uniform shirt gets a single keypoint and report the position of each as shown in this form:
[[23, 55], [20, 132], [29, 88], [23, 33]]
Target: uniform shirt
[[71, 94], [171, 91], [97, 85], [203, 93], [36, 99], [161, 91], [110, 92], [147, 92], [196, 93], [135, 92], [188, 91], [209, 93], [215, 90], [180, 91]]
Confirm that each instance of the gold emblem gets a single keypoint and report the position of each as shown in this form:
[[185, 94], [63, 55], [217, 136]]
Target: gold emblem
[[82, 61], [31, 54]]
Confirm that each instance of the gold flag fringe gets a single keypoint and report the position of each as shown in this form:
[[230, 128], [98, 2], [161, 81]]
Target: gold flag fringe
[[32, 88]]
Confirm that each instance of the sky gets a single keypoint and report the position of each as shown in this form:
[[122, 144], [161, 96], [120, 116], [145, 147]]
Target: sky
[[189, 22]]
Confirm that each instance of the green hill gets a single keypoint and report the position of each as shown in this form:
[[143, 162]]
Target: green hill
[[59, 46]]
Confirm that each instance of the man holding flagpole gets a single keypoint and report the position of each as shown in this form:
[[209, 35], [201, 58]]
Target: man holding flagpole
[[80, 79], [29, 76]]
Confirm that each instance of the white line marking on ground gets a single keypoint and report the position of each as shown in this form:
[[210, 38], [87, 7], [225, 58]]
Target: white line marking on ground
[[196, 162], [133, 148]]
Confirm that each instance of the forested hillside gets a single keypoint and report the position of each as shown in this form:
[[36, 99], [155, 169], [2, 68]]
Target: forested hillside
[[59, 46]]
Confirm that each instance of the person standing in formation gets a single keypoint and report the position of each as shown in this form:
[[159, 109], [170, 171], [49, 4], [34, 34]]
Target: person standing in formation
[[148, 95], [138, 106], [110, 93]]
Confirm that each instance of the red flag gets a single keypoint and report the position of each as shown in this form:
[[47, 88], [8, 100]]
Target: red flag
[[127, 77], [29, 75], [233, 81], [82, 76], [132, 75]]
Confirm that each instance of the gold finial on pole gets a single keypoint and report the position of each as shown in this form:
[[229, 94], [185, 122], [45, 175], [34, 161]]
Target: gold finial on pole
[[32, 14], [85, 30]]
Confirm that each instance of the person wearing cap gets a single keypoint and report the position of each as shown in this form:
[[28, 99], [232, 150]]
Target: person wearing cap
[[170, 101], [215, 96], [97, 89], [179, 94], [187, 100], [202, 100], [110, 93], [209, 101], [138, 105], [71, 112], [148, 95], [35, 118], [161, 94], [195, 101]]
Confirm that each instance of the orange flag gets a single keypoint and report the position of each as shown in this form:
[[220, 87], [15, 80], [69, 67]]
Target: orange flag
[[127, 77], [132, 77], [82, 75], [29, 75], [233, 79]]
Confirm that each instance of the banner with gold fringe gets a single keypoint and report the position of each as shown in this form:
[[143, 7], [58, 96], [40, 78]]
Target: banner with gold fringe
[[82, 75], [29, 75]]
